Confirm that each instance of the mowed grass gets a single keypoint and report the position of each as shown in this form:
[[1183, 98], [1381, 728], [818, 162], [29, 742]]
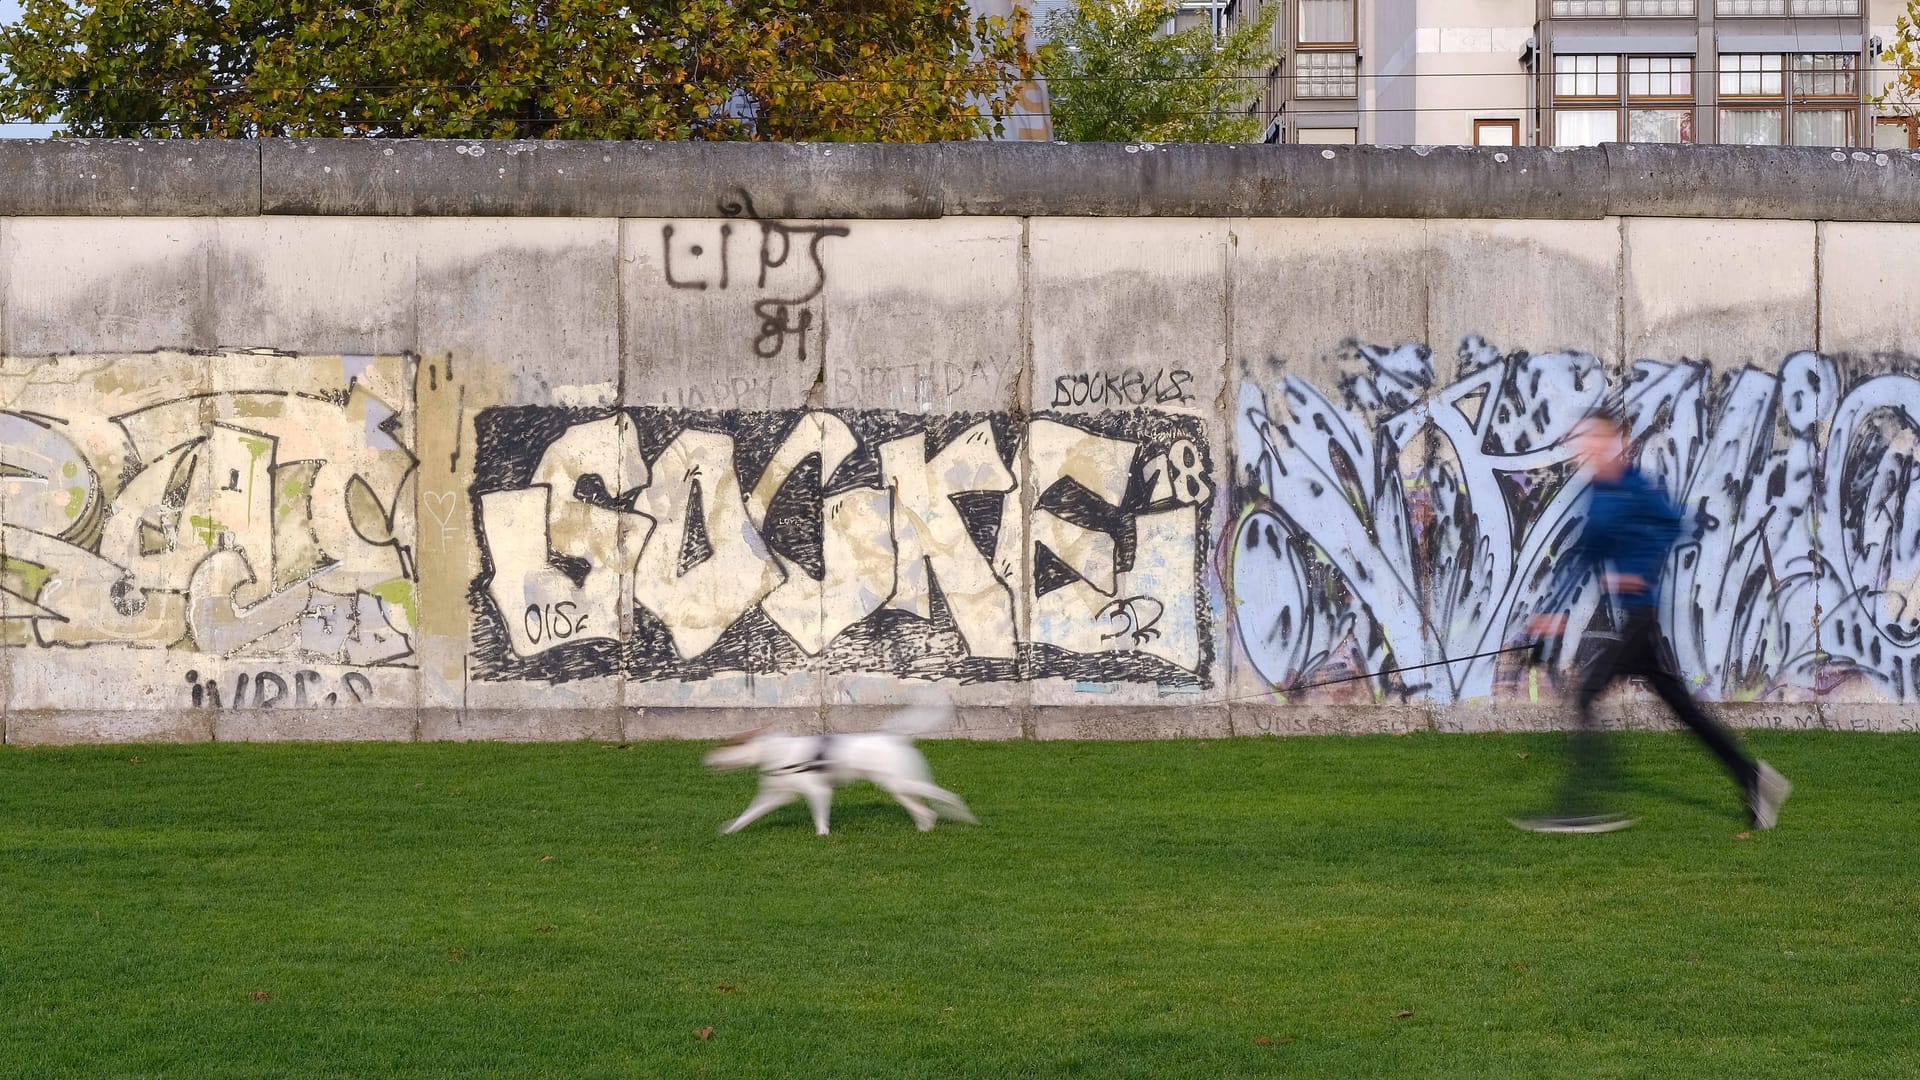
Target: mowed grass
[[1316, 907]]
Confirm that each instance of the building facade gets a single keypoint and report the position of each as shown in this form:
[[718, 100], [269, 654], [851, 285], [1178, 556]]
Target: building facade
[[1579, 72]]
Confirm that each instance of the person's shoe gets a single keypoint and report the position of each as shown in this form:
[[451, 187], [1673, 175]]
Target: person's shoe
[[1592, 823], [1770, 789]]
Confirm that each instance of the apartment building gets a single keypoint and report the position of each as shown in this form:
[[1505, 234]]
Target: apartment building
[[1578, 72]]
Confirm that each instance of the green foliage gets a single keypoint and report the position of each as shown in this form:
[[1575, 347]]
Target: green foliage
[[1903, 52], [893, 70], [1114, 76], [1133, 911]]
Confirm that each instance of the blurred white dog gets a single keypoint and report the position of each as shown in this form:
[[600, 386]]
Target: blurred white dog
[[811, 766]]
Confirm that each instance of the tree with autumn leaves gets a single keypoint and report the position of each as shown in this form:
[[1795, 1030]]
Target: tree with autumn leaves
[[883, 70], [1902, 95]]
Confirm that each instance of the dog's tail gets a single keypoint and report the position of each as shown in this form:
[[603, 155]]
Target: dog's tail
[[915, 720]]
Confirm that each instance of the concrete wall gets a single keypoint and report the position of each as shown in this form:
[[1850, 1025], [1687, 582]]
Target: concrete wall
[[326, 441]]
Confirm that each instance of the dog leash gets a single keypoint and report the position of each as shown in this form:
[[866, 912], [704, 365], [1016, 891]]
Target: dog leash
[[1533, 648]]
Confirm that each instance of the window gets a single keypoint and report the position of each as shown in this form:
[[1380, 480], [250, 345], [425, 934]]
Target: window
[[1585, 127], [1329, 136], [1750, 127], [1750, 7], [1586, 76], [1826, 7], [1600, 9], [1823, 127], [1750, 75], [1660, 76], [1496, 133], [1326, 75], [1828, 75], [1653, 105], [1660, 125], [1326, 22], [1894, 133]]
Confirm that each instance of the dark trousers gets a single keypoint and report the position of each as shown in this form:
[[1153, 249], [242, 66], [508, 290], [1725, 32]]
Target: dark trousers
[[1640, 651]]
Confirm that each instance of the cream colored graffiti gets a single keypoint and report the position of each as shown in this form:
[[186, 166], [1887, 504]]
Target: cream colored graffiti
[[249, 524], [682, 540]]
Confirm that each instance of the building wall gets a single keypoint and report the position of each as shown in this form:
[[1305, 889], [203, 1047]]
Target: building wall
[[599, 456], [1470, 68], [1429, 68]]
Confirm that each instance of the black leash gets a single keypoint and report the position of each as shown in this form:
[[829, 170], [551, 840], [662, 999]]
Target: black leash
[[1534, 648]]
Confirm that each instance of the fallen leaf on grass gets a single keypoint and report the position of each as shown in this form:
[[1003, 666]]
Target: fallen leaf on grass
[[259, 995], [1743, 836], [137, 760], [1403, 1014], [546, 858], [1523, 757], [1906, 1001], [1262, 1040], [704, 1034], [726, 988], [456, 954]]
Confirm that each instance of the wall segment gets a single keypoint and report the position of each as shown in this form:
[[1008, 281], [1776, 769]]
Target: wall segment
[[430, 440]]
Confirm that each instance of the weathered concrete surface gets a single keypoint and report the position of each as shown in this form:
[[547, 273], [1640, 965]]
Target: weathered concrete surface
[[129, 177], [207, 177], [1726, 291], [1095, 442]]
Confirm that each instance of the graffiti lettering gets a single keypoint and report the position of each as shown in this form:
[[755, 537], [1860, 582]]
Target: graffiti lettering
[[261, 524], [270, 691], [1129, 387], [868, 541], [788, 271], [1416, 522]]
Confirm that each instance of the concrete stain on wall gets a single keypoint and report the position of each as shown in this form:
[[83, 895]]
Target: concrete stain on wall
[[1396, 519], [669, 544]]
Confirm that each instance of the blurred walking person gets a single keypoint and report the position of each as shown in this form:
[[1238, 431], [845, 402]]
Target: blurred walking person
[[1630, 529]]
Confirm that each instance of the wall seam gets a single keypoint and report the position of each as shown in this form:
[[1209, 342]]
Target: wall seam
[[1029, 723], [1224, 405], [1819, 287], [1621, 262]]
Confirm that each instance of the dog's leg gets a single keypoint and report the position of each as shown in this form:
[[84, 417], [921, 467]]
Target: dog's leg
[[923, 817], [819, 798], [937, 794], [764, 803]]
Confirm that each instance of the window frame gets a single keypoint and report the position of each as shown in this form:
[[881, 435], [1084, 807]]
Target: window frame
[[1793, 8], [1722, 71], [1626, 87], [1781, 132], [1911, 125], [1300, 27], [1490, 122], [1690, 125], [1301, 74], [1851, 70], [1786, 9], [1853, 123], [1619, 84], [1623, 101], [1615, 15]]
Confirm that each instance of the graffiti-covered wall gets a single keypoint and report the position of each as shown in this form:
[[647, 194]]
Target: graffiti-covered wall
[[566, 476]]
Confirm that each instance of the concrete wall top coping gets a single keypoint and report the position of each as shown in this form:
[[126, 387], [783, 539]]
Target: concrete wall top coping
[[356, 177]]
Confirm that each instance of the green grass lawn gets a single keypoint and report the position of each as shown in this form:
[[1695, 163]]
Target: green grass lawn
[[1305, 907]]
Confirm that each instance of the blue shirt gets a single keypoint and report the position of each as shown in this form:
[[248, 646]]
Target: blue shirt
[[1631, 528]]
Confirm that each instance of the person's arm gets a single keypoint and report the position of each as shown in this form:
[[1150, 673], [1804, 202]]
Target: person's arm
[[1571, 567]]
